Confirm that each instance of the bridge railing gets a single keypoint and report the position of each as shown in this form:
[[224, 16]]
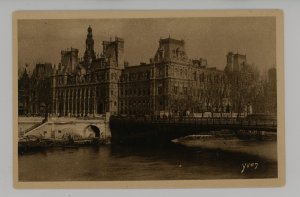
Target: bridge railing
[[272, 123]]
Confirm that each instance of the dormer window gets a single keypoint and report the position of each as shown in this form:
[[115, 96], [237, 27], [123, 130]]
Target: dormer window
[[179, 53]]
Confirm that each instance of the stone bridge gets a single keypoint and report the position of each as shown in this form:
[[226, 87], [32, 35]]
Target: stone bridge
[[150, 130]]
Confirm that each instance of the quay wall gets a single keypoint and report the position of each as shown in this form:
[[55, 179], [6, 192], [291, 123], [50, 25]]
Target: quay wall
[[61, 127], [25, 123]]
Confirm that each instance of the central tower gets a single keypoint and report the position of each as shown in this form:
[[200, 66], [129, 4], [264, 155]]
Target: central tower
[[89, 54]]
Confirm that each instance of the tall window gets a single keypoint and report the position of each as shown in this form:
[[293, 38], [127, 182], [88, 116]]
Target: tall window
[[175, 89], [201, 77], [185, 90], [160, 90]]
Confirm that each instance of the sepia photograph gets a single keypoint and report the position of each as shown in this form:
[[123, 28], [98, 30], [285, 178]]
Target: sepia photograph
[[140, 99]]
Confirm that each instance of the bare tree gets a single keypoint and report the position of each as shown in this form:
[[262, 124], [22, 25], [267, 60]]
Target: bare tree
[[245, 86]]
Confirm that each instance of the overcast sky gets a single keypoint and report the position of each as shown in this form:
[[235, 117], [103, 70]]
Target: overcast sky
[[210, 38]]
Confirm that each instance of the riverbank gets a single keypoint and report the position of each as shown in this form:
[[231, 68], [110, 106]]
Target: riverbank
[[26, 144]]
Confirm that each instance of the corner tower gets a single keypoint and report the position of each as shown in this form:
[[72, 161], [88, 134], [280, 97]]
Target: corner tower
[[235, 62], [171, 50], [114, 52]]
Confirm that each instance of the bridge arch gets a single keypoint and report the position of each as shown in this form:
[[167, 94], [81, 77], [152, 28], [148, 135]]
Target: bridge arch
[[92, 128]]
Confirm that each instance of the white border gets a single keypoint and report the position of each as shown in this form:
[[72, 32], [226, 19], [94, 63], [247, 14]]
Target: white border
[[292, 104]]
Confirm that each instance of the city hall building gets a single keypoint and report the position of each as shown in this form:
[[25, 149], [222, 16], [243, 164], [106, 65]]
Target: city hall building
[[169, 84]]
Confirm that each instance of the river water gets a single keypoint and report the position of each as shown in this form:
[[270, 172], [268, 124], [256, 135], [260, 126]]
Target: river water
[[168, 162]]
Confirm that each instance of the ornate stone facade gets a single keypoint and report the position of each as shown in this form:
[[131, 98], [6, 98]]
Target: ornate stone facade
[[89, 85], [172, 84]]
